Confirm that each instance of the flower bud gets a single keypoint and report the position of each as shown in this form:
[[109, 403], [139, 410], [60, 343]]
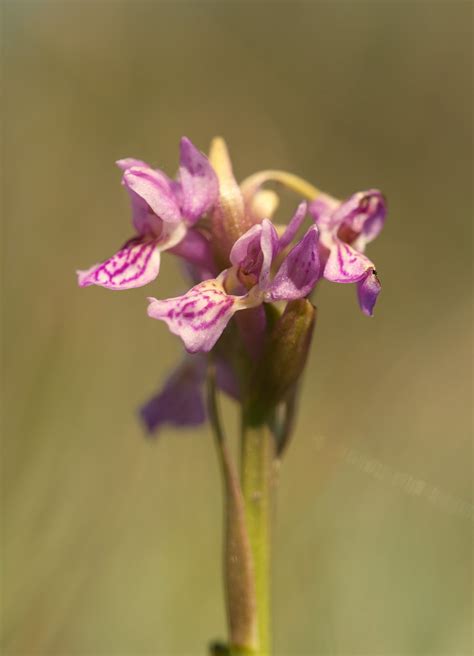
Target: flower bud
[[229, 218], [283, 360]]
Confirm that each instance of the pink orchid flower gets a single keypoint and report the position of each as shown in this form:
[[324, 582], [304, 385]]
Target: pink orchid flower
[[345, 229], [200, 316], [164, 212]]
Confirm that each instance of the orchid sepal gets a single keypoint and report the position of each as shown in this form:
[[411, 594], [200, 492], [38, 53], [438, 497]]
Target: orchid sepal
[[283, 360]]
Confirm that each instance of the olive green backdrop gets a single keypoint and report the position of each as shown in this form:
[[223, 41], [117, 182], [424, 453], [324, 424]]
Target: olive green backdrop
[[111, 543]]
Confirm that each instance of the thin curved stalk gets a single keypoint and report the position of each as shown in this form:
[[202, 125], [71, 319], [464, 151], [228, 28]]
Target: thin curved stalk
[[239, 574], [251, 184]]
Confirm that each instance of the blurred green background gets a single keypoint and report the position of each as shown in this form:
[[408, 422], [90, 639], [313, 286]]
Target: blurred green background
[[111, 544]]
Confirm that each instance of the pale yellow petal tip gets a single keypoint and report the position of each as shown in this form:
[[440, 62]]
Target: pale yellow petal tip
[[264, 204], [218, 142], [219, 158]]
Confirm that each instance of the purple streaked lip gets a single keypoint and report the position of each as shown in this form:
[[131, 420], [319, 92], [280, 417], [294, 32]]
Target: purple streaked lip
[[201, 315]]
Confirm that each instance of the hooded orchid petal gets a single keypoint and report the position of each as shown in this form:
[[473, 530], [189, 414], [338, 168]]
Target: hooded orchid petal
[[136, 264], [245, 244], [368, 290], [356, 221], [253, 253], [269, 246], [144, 220], [156, 190], [199, 185], [199, 316], [371, 218], [299, 270], [362, 212]]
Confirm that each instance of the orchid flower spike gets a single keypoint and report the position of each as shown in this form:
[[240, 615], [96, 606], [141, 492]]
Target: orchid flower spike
[[200, 316], [164, 212], [346, 228]]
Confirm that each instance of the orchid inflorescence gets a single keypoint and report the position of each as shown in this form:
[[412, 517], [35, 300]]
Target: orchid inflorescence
[[246, 324], [243, 265]]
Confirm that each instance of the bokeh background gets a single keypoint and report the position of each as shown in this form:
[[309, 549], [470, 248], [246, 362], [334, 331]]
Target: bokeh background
[[111, 543]]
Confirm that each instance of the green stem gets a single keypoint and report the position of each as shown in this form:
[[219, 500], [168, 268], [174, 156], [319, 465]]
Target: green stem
[[238, 566], [256, 477]]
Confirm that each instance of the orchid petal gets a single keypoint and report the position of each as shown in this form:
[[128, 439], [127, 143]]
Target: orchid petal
[[345, 264], [246, 242], [196, 249], [180, 402], [128, 162], [367, 290], [144, 220], [255, 250], [372, 213], [356, 221], [199, 184], [356, 209], [268, 246], [199, 316], [136, 264], [293, 226], [155, 189], [299, 270]]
